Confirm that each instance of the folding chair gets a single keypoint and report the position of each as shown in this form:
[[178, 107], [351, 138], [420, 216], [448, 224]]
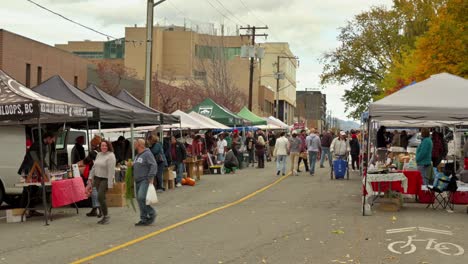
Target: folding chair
[[440, 198]]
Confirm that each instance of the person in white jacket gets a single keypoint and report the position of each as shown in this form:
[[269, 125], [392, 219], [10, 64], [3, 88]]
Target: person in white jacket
[[281, 153], [340, 146]]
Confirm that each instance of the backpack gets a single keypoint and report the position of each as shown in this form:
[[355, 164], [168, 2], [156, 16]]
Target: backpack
[[452, 185]]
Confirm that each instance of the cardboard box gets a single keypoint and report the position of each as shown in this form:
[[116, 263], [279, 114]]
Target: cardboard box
[[119, 188], [390, 204], [115, 200], [167, 174], [14, 215]]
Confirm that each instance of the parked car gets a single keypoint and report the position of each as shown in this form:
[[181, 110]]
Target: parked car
[[13, 142]]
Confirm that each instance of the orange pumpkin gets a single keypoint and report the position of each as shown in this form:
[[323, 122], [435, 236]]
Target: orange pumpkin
[[183, 181], [190, 181]]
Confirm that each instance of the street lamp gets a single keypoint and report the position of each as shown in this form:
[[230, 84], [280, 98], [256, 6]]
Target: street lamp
[[149, 48]]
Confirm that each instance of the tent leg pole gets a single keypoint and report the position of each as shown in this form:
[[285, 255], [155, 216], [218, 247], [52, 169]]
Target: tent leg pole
[[132, 144], [41, 157], [88, 136], [367, 167], [99, 128]]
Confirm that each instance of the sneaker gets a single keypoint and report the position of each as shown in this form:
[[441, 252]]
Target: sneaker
[[179, 185], [151, 220], [277, 173], [141, 223], [159, 190], [284, 174], [104, 221]]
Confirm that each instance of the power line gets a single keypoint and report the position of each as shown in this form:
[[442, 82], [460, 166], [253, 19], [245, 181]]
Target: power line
[[217, 10], [251, 12], [229, 11], [72, 21]]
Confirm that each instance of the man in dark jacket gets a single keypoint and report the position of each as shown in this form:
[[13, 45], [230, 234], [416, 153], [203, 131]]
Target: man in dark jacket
[[325, 143], [250, 146], [144, 171], [355, 149], [78, 152], [178, 155]]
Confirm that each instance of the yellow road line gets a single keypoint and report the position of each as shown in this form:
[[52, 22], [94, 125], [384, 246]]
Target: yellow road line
[[153, 234]]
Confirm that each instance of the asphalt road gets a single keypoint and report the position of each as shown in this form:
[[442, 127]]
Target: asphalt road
[[302, 219]]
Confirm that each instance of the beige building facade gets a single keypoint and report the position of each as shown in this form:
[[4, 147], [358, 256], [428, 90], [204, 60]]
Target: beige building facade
[[287, 82], [32, 62]]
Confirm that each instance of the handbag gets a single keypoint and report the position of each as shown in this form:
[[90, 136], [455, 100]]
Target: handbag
[[151, 196], [303, 155]]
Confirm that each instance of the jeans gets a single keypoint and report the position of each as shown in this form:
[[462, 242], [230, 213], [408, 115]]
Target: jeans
[[147, 213], [312, 161], [423, 170], [220, 157], [306, 163], [326, 151], [294, 164], [355, 160], [101, 185], [179, 166], [251, 156], [260, 158], [281, 163], [159, 176]]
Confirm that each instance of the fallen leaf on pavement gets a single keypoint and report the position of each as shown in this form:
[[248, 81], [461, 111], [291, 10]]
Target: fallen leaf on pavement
[[307, 239], [347, 256], [394, 218], [338, 232]]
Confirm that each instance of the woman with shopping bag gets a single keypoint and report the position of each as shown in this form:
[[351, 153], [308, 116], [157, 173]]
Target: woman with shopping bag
[[145, 169]]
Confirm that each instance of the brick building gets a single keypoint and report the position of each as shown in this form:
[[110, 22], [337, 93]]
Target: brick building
[[312, 108], [31, 62]]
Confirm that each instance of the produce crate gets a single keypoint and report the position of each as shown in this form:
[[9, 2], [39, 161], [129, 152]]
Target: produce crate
[[119, 188], [217, 169], [115, 200]]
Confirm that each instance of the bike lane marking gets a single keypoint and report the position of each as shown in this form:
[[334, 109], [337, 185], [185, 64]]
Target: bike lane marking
[[168, 228], [432, 244]]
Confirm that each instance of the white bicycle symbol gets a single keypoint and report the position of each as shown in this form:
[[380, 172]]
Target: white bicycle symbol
[[444, 248]]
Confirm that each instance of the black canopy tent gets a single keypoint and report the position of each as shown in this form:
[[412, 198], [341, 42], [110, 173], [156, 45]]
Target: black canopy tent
[[21, 106], [101, 112], [143, 115], [166, 119]]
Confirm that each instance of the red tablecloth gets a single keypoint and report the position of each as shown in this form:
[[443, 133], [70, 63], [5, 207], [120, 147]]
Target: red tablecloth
[[414, 183], [65, 192]]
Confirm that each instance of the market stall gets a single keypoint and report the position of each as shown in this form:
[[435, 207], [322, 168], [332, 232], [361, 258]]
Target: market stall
[[213, 123], [437, 101], [253, 118], [211, 109], [21, 106]]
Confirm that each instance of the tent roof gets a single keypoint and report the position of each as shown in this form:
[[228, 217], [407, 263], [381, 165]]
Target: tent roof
[[21, 104], [127, 97], [142, 116], [442, 97], [58, 88], [188, 121], [211, 109], [247, 114], [275, 121], [215, 124]]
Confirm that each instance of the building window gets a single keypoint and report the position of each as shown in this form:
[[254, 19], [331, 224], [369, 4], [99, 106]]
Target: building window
[[75, 81], [89, 54], [39, 75], [28, 75], [209, 52], [199, 75]]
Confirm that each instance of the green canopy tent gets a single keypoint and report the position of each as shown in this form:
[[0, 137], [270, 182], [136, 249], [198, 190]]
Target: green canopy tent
[[211, 109], [253, 118]]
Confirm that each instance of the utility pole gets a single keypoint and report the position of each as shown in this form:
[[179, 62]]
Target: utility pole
[[149, 48], [252, 36], [278, 77]]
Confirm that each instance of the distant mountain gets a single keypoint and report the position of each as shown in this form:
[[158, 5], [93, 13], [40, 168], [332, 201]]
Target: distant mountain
[[348, 124]]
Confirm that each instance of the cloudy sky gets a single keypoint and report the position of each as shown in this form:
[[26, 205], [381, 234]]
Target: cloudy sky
[[310, 26]]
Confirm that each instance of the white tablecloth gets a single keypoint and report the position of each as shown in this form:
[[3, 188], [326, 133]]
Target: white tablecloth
[[389, 177]]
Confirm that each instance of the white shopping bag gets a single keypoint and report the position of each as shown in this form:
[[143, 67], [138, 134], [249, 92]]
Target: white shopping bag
[[151, 196]]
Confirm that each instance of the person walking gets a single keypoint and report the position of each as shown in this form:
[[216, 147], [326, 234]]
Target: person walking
[[250, 146], [340, 146], [89, 163], [260, 151], [145, 169], [303, 137], [158, 152], [424, 156], [281, 152], [271, 144], [294, 147], [325, 143], [355, 150], [178, 155], [313, 148], [102, 176]]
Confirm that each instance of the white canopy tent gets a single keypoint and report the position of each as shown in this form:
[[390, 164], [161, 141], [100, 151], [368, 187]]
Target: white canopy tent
[[215, 124], [441, 98], [276, 122], [437, 101]]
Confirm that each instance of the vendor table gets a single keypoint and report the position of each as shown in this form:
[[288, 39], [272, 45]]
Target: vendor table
[[64, 192], [414, 184], [388, 177]]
